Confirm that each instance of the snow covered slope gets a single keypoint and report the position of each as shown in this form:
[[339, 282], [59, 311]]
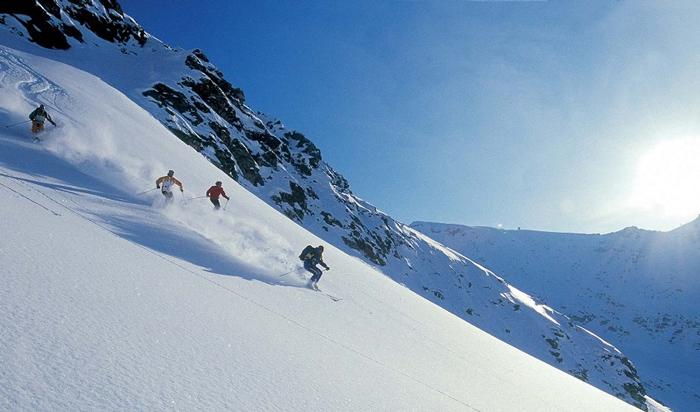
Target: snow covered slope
[[635, 287], [190, 97], [113, 302]]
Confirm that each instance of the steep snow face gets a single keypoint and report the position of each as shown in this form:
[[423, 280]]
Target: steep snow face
[[636, 288], [189, 96], [112, 301]]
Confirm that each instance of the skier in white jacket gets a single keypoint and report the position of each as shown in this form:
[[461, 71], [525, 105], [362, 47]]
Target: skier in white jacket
[[165, 184]]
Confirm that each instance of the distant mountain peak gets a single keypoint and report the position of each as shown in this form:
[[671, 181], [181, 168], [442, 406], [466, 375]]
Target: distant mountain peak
[[692, 226], [637, 288]]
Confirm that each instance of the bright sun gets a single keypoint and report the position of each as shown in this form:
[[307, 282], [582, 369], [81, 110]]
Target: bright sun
[[668, 178]]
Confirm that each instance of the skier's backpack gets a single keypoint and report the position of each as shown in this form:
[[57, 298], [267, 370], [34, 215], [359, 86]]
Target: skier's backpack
[[306, 253]]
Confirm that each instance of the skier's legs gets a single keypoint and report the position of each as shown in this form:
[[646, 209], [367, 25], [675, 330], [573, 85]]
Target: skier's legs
[[37, 127], [216, 203], [169, 198], [316, 272]]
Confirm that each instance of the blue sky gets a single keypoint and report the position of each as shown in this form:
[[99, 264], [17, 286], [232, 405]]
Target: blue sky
[[565, 116]]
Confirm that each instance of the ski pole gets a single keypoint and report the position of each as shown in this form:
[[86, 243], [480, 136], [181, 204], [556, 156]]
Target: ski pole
[[291, 271], [26, 121], [226, 204], [198, 197], [142, 193]]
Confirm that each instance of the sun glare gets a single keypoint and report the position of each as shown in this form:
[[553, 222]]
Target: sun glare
[[668, 178]]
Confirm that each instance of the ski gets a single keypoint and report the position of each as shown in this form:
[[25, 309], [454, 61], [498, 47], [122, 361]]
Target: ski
[[333, 298], [316, 289]]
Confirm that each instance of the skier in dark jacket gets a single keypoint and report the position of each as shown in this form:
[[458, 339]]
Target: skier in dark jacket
[[313, 257], [38, 116]]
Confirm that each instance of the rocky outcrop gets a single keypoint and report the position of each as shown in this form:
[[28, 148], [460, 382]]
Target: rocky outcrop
[[51, 23]]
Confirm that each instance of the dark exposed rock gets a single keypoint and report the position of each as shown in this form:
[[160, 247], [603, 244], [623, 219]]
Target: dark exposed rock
[[246, 163], [166, 96], [196, 60], [49, 24], [295, 199], [365, 246], [112, 26], [40, 22], [214, 97], [191, 139]]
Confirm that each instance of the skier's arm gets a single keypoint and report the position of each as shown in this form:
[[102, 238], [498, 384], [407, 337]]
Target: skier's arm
[[177, 182], [159, 181]]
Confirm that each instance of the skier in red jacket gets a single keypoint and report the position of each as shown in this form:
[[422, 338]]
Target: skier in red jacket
[[213, 194]]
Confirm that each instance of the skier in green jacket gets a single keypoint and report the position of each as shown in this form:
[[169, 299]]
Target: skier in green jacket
[[38, 116]]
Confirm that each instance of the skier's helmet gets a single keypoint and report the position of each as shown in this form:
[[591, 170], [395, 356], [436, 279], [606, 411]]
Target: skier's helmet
[[218, 183], [320, 248], [170, 173]]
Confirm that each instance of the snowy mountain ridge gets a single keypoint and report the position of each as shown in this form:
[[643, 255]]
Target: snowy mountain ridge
[[190, 97], [635, 287]]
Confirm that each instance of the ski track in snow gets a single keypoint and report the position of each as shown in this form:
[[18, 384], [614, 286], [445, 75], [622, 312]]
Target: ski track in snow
[[68, 204]]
